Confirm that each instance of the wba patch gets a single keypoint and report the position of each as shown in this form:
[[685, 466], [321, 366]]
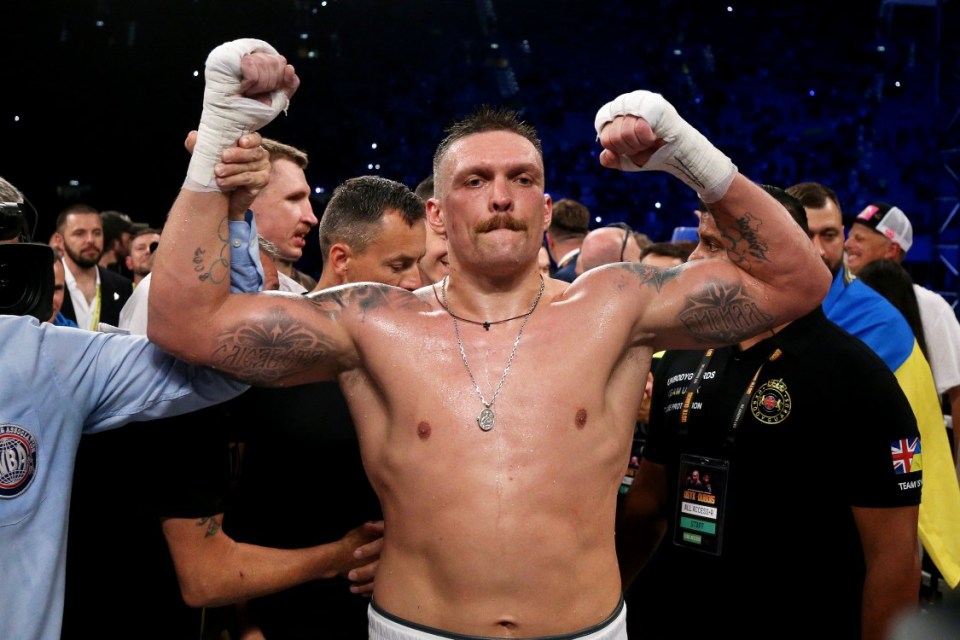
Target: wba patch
[[18, 460]]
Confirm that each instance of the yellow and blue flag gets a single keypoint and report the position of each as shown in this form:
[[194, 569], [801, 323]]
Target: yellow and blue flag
[[870, 317]]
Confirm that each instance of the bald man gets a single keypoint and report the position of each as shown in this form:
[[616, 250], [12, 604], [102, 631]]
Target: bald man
[[607, 245]]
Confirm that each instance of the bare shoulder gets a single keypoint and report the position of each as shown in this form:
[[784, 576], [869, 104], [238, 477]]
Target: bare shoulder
[[368, 297], [621, 278], [286, 341]]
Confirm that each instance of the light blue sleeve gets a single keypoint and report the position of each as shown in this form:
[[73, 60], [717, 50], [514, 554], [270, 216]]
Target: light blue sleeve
[[246, 270], [118, 378]]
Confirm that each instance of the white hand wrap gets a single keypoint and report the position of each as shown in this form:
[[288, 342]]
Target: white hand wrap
[[688, 155], [227, 115]]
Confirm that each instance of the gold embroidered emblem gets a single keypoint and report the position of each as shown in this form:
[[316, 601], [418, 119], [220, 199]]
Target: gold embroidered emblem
[[770, 403]]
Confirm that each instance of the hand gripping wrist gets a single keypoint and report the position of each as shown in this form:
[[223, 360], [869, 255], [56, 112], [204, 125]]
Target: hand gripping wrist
[[227, 115], [688, 155]]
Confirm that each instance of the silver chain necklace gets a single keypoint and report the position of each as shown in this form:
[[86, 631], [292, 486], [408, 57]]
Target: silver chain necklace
[[486, 417]]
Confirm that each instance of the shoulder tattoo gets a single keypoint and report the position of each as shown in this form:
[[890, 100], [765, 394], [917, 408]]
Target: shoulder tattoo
[[366, 298], [653, 276], [723, 313]]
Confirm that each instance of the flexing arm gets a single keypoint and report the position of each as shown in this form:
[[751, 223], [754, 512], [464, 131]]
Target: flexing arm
[[892, 556], [772, 275], [264, 339], [214, 570]]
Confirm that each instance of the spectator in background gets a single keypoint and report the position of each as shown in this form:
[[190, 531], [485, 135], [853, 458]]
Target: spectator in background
[[94, 294], [434, 264], [59, 286], [870, 317], [118, 231], [140, 260], [664, 254], [568, 227], [543, 260], [888, 278], [284, 212], [883, 231], [614, 243]]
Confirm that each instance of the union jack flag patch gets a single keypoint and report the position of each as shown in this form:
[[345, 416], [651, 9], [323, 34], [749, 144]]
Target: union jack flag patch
[[906, 455]]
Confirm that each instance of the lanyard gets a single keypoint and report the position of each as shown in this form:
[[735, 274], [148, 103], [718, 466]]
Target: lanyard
[[745, 398], [95, 312], [692, 390], [694, 387]]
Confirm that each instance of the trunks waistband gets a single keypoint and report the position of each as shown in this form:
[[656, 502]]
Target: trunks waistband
[[386, 626]]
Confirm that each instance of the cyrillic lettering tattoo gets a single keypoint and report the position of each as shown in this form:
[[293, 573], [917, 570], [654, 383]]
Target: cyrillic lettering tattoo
[[263, 351], [723, 313], [219, 267]]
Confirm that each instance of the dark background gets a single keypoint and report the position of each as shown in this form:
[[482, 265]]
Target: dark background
[[862, 96]]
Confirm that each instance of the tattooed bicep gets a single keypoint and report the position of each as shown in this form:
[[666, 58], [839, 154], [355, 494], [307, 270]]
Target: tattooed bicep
[[723, 313], [271, 346], [744, 241]]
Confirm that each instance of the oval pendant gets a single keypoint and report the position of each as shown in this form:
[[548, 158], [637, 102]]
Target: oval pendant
[[485, 419]]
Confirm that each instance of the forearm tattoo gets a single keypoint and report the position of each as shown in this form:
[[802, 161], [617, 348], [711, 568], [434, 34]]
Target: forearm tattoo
[[212, 523], [653, 276], [263, 350], [744, 243], [217, 269], [723, 314]]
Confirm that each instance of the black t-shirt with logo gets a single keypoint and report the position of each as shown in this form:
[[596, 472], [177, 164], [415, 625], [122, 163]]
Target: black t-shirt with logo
[[824, 427]]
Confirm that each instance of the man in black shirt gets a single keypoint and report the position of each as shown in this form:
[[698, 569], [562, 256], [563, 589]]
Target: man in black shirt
[[807, 400]]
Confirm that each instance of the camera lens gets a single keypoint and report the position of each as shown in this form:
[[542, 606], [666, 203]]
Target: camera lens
[[26, 280]]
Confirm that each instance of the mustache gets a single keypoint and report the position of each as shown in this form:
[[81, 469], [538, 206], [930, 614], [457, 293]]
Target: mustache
[[501, 221]]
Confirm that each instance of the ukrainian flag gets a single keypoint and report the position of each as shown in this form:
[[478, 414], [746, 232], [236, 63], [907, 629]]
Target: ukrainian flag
[[869, 316]]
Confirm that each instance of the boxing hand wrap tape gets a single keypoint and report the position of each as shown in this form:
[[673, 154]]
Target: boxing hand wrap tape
[[227, 115], [688, 155]]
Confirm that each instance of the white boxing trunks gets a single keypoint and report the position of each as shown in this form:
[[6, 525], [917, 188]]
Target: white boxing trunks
[[386, 626]]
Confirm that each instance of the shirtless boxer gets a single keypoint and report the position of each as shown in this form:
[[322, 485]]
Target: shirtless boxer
[[498, 484]]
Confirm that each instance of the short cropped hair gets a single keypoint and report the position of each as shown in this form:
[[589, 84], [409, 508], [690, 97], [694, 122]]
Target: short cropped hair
[[115, 224], [792, 204], [814, 195], [354, 212], [9, 193], [425, 188], [485, 119], [667, 250], [280, 151], [570, 219], [144, 230], [78, 207]]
